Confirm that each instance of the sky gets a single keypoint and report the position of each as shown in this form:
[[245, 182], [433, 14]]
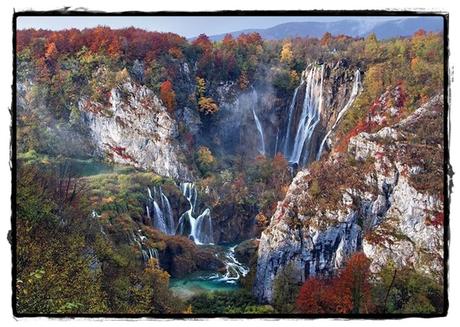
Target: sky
[[185, 26]]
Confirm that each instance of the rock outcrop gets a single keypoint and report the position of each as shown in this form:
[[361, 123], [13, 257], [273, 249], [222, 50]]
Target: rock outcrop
[[136, 129], [383, 197]]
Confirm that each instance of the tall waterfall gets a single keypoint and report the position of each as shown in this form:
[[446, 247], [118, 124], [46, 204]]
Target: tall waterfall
[[159, 211], [354, 93], [310, 115], [200, 228], [258, 124], [291, 109], [276, 141]]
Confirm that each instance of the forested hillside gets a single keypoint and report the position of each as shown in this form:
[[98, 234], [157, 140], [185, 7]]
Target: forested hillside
[[302, 175]]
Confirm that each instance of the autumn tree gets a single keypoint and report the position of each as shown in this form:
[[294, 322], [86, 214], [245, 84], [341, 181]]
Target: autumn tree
[[205, 160], [372, 47], [286, 55], [243, 81], [168, 96], [354, 282], [285, 289], [314, 298], [51, 251], [51, 51], [347, 292], [406, 291], [205, 61], [326, 39], [200, 86], [207, 105], [158, 298]]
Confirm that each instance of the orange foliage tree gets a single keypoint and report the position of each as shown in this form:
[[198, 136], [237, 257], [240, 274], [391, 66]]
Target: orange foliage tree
[[348, 292], [167, 95]]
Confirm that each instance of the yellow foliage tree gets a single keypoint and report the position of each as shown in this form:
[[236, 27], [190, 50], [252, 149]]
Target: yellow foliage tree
[[243, 81], [207, 105], [286, 53], [200, 86], [121, 75]]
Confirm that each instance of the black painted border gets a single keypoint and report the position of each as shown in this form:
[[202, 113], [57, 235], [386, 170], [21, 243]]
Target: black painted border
[[448, 172]]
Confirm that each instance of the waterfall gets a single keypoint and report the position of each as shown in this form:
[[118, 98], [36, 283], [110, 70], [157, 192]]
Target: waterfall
[[291, 109], [158, 220], [353, 95], [234, 269], [150, 193], [160, 213], [146, 252], [276, 142], [190, 193], [162, 217], [310, 115], [202, 230], [199, 229], [258, 124], [94, 214], [149, 253], [168, 214], [148, 212]]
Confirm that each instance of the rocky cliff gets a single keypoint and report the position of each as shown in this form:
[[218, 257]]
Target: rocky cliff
[[382, 196], [136, 129]]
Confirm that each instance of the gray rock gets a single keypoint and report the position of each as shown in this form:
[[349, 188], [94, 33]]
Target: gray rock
[[394, 218], [136, 129]]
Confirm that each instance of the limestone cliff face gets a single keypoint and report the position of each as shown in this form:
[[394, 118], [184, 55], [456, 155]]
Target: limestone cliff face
[[382, 197], [312, 249], [136, 129]]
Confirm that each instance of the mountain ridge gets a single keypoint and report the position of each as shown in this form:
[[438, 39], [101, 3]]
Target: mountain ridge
[[383, 30]]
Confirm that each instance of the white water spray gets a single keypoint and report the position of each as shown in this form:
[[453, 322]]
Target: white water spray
[[310, 115], [258, 124], [200, 228], [162, 217], [354, 93]]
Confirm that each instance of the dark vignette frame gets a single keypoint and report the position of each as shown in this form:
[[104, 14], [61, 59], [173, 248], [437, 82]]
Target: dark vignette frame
[[447, 168]]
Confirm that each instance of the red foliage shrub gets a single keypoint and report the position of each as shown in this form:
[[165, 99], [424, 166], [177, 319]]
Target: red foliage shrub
[[348, 292]]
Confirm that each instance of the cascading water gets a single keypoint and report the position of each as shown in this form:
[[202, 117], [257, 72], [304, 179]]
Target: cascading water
[[276, 141], [235, 269], [291, 109], [199, 229], [258, 124], [159, 212], [167, 212], [146, 252], [353, 95], [310, 115], [162, 217], [149, 254], [159, 219]]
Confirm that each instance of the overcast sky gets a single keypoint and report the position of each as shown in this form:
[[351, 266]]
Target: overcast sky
[[185, 26]]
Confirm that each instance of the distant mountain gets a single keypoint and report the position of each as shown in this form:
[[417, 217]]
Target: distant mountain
[[355, 28], [405, 27]]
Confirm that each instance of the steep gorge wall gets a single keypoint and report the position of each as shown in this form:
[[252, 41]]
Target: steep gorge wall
[[136, 129], [373, 202]]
